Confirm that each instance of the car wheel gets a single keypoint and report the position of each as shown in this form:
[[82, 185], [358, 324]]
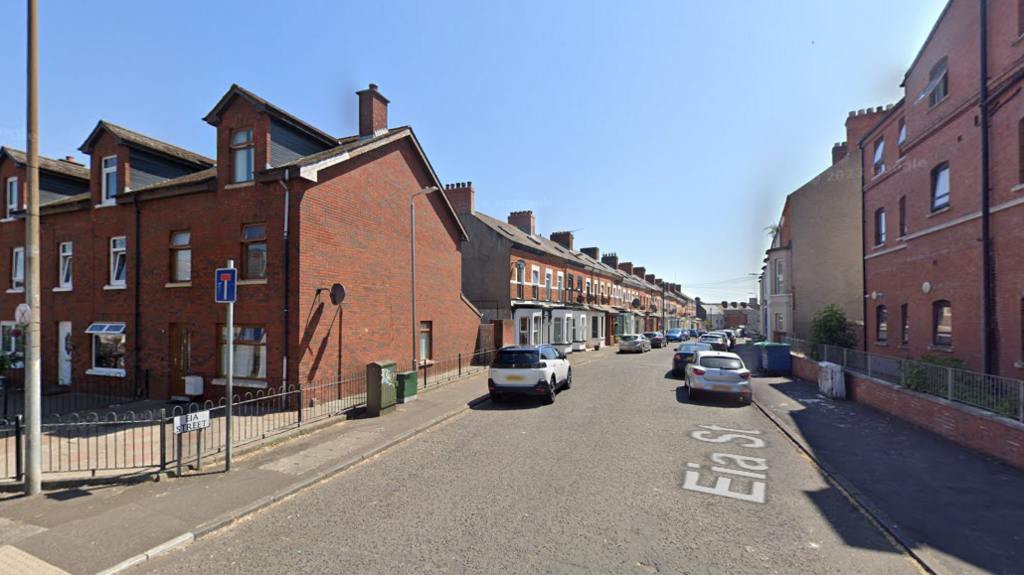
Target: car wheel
[[746, 399], [691, 393], [496, 397], [568, 379], [549, 397]]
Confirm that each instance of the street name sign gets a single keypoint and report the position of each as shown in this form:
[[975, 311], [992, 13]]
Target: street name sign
[[191, 422]]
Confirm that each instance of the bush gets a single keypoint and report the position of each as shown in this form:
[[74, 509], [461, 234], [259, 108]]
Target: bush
[[830, 327]]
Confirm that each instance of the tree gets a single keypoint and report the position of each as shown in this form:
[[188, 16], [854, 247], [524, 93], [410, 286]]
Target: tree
[[830, 327]]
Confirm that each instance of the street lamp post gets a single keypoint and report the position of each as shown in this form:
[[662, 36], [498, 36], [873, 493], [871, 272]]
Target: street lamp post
[[412, 244]]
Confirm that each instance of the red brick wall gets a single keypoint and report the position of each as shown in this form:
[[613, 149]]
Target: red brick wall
[[354, 229], [1001, 439], [805, 368]]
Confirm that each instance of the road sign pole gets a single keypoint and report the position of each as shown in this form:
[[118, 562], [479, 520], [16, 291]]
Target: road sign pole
[[231, 376]]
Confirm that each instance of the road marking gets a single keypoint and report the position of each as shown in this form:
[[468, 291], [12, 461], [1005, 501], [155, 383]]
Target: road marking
[[14, 561], [723, 485]]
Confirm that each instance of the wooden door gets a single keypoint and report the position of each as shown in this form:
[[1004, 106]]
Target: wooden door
[[181, 357]]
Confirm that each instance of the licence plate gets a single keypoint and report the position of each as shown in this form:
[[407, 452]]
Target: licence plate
[[515, 378], [721, 388]]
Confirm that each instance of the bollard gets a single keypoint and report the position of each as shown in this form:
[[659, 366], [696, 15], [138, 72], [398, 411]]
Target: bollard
[[163, 439], [19, 455], [199, 449]]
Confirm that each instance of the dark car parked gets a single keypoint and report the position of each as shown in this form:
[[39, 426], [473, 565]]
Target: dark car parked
[[657, 338], [684, 355]]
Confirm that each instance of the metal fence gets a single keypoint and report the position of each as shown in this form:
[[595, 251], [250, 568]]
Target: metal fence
[[96, 443], [1001, 395], [445, 369]]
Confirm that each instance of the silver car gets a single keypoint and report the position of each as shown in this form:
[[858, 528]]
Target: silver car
[[718, 372], [634, 343]]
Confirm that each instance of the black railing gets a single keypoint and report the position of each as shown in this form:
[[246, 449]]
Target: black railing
[[435, 371], [86, 393]]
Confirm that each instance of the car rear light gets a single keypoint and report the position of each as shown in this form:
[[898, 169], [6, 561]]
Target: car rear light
[[678, 357], [699, 372], [745, 375], [490, 384]]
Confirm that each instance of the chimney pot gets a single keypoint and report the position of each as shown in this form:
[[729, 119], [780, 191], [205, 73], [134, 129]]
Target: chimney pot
[[462, 198], [563, 238], [523, 220]]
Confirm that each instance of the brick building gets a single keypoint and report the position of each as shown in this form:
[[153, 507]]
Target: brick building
[[551, 292], [929, 168], [296, 209]]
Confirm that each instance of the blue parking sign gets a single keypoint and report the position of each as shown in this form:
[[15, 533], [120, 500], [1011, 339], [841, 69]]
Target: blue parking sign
[[225, 281]]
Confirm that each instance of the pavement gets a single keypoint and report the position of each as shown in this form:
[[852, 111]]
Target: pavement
[[956, 511]]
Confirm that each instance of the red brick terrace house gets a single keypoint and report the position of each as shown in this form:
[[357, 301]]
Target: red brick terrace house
[[296, 209], [926, 176]]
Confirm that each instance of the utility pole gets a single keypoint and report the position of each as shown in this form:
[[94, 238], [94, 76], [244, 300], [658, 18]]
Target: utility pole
[[33, 386]]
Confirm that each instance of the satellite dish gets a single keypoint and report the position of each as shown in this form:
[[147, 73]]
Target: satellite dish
[[636, 303], [337, 294]]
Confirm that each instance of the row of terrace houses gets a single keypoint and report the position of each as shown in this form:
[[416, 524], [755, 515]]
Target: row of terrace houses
[[554, 293], [940, 216], [129, 248]]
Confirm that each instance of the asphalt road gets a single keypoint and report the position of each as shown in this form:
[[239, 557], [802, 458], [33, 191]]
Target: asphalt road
[[596, 483]]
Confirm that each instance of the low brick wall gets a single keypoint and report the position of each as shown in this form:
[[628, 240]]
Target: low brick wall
[[977, 429]]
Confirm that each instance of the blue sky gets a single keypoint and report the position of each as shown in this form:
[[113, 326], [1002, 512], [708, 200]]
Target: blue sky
[[667, 132]]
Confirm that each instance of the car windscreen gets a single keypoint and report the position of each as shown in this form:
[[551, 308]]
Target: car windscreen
[[710, 338], [629, 338], [721, 363], [516, 358], [650, 334]]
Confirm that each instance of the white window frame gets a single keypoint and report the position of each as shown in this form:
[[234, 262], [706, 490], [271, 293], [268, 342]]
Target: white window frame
[[18, 269], [902, 138], [535, 276], [114, 252], [879, 163], [66, 255], [109, 196], [104, 329], [561, 284], [780, 276], [247, 151], [11, 206], [559, 333]]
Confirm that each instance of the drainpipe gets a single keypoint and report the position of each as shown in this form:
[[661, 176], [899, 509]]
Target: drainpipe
[[863, 262], [991, 353], [284, 360], [138, 289]]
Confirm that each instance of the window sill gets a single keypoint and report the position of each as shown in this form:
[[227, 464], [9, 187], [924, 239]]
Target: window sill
[[106, 205], [1017, 188], [248, 184], [178, 284], [5, 220], [255, 282], [879, 246], [882, 343], [240, 382], [1017, 40], [115, 287], [106, 372], [16, 290], [941, 210], [60, 289], [937, 104], [942, 348], [1019, 364]]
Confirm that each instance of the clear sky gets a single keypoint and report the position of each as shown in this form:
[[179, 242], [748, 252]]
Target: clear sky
[[668, 132]]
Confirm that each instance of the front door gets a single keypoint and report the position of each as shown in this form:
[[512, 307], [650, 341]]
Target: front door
[[181, 357], [64, 353]]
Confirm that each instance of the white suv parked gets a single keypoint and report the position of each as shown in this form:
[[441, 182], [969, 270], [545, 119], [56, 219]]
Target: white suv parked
[[539, 370]]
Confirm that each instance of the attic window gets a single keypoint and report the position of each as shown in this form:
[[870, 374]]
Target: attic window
[[938, 84], [241, 156], [535, 240]]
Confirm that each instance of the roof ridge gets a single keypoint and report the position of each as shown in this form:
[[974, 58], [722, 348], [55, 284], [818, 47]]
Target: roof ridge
[[139, 135]]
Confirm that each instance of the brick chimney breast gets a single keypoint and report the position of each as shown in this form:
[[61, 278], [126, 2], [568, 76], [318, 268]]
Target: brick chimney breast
[[563, 238], [650, 278], [523, 220], [594, 253], [373, 112], [611, 260], [639, 272], [626, 267], [461, 197], [860, 123]]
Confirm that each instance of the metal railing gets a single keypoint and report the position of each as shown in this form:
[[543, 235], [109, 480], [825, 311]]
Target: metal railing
[[146, 440], [444, 369], [1001, 395]]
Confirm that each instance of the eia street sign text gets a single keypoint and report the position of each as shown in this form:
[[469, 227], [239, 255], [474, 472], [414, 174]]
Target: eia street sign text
[[191, 422]]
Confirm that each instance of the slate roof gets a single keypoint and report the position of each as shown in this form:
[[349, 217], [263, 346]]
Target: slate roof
[[63, 200], [193, 178], [214, 116], [345, 145], [61, 167], [142, 141]]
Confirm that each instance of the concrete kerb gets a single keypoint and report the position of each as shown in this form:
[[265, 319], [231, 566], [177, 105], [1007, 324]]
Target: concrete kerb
[[908, 545], [230, 518]]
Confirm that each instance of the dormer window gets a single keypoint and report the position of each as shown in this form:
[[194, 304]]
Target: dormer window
[[241, 156], [12, 196], [109, 180]]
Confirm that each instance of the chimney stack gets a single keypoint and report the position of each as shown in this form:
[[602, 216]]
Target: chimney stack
[[649, 278], [611, 260], [461, 197], [859, 123], [639, 272], [594, 253], [564, 238], [373, 112], [626, 267], [839, 151], [660, 283], [524, 221], [70, 159]]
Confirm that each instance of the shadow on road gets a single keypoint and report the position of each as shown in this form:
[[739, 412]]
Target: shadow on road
[[511, 402], [682, 396]]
